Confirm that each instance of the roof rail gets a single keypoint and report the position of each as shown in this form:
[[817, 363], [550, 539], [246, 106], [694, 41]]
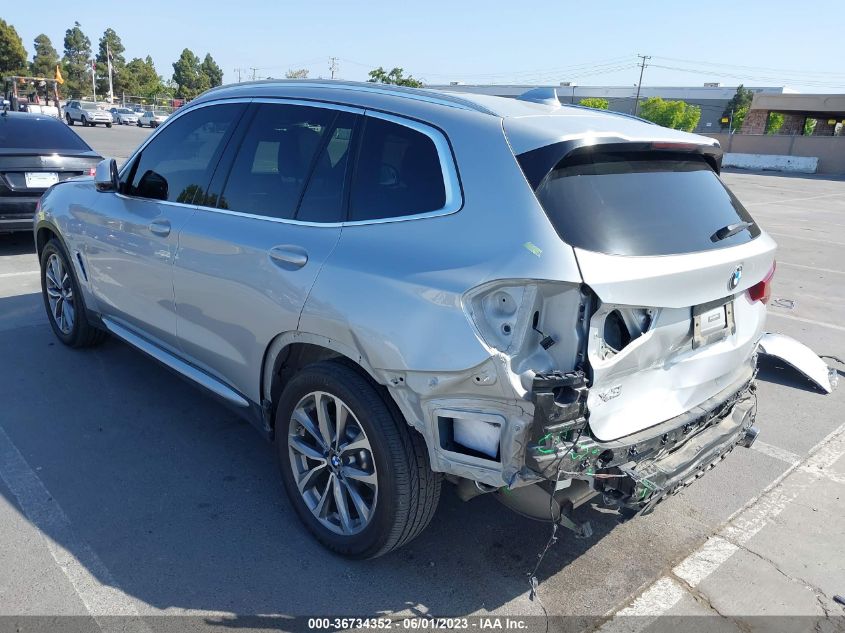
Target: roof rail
[[546, 95], [419, 94]]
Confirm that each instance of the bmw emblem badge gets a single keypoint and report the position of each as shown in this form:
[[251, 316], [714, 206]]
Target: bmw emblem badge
[[736, 275]]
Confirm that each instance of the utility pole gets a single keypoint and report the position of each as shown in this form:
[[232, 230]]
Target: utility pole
[[239, 71], [731, 122], [253, 72], [640, 82], [333, 65]]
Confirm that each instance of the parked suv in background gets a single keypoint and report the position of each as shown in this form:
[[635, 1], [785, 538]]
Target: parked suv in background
[[541, 302], [87, 113]]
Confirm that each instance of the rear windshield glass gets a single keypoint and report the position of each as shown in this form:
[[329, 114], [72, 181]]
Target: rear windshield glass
[[38, 132], [642, 204]]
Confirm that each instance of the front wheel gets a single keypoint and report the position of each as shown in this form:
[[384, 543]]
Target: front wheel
[[69, 120], [108, 124], [84, 122], [63, 299], [356, 473]]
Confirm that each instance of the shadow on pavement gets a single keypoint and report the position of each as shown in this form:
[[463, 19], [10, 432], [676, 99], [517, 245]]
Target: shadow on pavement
[[16, 243], [181, 500]]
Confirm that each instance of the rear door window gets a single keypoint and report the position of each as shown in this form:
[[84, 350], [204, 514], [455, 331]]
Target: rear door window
[[642, 204], [275, 158], [324, 199], [398, 173], [177, 164]]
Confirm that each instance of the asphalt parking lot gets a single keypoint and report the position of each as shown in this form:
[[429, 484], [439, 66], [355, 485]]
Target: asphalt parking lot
[[124, 490]]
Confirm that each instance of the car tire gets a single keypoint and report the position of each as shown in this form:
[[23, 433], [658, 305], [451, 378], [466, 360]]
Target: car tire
[[69, 120], [84, 121], [382, 447], [108, 124], [60, 286]]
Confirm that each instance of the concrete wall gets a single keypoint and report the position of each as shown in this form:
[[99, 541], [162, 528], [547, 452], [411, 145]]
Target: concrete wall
[[830, 150]]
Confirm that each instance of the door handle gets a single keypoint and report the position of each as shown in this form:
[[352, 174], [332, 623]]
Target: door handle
[[160, 227], [289, 257]]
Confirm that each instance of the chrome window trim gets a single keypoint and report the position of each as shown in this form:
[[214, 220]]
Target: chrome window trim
[[452, 186]]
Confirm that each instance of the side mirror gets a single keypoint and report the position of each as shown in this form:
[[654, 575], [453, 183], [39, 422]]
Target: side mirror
[[105, 178]]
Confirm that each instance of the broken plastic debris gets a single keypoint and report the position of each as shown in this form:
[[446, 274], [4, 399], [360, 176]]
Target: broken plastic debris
[[800, 357]]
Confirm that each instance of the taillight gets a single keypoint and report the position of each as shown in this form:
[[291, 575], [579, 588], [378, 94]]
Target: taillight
[[762, 291], [92, 171], [38, 206]]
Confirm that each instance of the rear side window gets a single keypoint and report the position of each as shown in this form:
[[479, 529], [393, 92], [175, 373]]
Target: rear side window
[[275, 157], [324, 197], [38, 133], [398, 173], [642, 204], [177, 164]]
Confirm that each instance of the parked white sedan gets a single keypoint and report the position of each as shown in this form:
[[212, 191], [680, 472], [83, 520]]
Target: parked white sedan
[[124, 116], [153, 118]]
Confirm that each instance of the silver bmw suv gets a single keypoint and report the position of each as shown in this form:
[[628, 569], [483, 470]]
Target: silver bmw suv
[[539, 302]]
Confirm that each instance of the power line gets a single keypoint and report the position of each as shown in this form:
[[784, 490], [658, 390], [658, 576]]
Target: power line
[[640, 82]]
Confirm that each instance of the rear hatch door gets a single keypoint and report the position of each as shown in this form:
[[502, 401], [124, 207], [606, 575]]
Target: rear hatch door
[[669, 253]]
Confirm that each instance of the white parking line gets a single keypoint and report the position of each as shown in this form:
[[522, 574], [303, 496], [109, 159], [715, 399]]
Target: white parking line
[[88, 575], [19, 274], [768, 202], [821, 270], [792, 317], [778, 453], [808, 239], [666, 592]]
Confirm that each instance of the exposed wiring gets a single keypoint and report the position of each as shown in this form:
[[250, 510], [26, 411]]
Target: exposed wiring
[[532, 576]]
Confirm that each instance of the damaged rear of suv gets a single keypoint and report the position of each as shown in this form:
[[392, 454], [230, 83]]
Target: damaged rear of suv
[[540, 302]]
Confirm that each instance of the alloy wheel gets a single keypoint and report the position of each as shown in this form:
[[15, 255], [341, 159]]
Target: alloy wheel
[[60, 294], [332, 462]]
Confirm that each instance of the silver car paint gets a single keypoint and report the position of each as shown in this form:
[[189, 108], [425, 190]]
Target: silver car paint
[[409, 300]]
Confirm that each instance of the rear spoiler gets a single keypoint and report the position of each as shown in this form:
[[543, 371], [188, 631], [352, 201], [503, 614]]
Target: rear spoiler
[[537, 163]]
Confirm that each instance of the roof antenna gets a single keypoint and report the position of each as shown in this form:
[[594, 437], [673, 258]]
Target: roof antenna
[[547, 95]]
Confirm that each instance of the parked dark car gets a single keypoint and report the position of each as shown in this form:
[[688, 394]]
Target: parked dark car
[[36, 151]]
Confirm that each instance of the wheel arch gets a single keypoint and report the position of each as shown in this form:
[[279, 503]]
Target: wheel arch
[[290, 351]]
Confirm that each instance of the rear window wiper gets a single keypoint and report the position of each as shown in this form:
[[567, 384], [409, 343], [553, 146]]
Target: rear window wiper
[[731, 229]]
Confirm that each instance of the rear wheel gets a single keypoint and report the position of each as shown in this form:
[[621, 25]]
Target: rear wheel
[[63, 299], [356, 473]]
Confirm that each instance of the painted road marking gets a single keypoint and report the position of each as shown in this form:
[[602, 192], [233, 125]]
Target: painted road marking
[[19, 274], [792, 317], [809, 239], [90, 578], [778, 453], [666, 592], [821, 270], [824, 195]]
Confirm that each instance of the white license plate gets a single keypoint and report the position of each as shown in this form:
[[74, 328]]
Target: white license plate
[[40, 179]]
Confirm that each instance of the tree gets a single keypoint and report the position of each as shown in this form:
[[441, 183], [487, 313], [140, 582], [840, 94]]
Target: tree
[[213, 73], [739, 105], [187, 76], [677, 115], [300, 73], [809, 126], [395, 77], [12, 52], [595, 102], [141, 79], [76, 61], [774, 122], [110, 42], [45, 59]]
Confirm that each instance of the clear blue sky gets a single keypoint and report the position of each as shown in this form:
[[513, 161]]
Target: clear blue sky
[[799, 44]]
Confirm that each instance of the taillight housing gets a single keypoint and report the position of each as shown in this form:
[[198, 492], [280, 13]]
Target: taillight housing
[[762, 291], [92, 171]]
